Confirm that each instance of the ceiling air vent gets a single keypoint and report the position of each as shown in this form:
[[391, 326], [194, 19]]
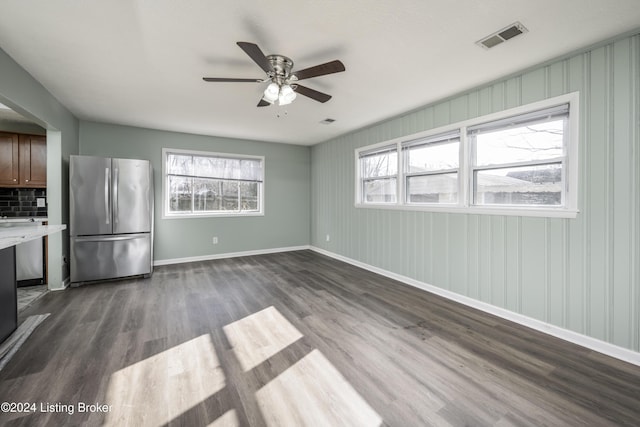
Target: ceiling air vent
[[502, 35], [327, 121]]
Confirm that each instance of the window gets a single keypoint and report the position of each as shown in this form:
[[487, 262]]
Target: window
[[211, 184], [379, 171], [521, 161], [431, 169]]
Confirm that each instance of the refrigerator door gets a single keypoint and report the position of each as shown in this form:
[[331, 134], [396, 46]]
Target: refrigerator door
[[90, 195], [132, 195], [109, 257]]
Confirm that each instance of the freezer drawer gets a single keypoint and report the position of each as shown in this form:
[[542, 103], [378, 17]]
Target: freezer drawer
[[110, 257]]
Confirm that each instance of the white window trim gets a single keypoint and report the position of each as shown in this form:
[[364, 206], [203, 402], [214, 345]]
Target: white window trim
[[408, 143], [191, 215], [571, 169], [397, 176]]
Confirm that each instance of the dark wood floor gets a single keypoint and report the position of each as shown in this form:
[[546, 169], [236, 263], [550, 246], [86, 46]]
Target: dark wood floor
[[299, 339]]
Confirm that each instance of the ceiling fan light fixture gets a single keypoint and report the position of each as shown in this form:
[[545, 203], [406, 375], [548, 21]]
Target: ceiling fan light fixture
[[283, 82], [287, 95], [271, 93]]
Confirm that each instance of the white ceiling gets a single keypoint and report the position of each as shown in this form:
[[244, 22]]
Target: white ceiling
[[141, 62]]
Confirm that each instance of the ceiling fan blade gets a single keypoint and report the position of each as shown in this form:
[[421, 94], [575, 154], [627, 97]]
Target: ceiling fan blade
[[312, 93], [320, 70], [256, 54], [263, 103], [224, 79]]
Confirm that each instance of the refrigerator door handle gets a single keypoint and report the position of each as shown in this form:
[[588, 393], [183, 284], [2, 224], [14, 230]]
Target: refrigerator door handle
[[106, 195], [110, 238], [115, 196]]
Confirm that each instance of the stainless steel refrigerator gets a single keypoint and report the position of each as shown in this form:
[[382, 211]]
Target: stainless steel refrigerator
[[111, 218]]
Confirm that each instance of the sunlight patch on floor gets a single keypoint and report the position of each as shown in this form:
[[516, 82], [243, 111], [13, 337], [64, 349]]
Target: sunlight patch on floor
[[259, 336], [166, 385], [228, 419], [312, 392]]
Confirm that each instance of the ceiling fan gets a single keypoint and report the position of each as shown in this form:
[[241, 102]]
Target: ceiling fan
[[283, 83]]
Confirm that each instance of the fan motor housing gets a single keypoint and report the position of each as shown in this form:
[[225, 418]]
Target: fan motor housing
[[281, 66]]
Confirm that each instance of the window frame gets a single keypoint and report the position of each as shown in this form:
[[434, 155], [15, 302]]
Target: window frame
[[166, 214], [570, 166], [437, 139], [372, 150], [523, 120]]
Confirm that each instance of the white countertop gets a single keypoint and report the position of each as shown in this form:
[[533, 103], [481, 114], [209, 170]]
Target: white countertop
[[11, 236], [23, 219]]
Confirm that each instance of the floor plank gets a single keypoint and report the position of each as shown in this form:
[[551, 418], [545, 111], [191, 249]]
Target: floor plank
[[297, 339]]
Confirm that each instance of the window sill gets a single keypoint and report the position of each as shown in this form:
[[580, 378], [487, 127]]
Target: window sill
[[484, 210], [212, 215]]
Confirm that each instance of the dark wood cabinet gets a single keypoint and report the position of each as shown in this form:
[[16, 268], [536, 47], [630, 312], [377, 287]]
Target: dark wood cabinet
[[23, 160], [33, 161], [9, 164]]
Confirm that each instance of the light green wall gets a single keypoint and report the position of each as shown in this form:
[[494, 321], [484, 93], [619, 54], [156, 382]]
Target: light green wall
[[20, 127], [286, 221], [581, 274], [28, 97]]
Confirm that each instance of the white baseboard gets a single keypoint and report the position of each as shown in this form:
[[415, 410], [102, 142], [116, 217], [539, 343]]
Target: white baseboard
[[228, 255], [547, 328]]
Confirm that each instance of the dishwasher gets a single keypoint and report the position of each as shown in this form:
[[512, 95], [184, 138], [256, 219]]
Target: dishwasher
[[29, 257]]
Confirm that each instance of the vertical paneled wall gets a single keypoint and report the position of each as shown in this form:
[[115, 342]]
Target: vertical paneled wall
[[581, 274]]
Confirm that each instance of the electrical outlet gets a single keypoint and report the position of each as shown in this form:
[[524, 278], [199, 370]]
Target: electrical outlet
[[40, 202], [215, 240], [328, 238]]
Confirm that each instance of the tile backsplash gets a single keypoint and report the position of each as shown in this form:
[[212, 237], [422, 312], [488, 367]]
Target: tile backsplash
[[20, 202]]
